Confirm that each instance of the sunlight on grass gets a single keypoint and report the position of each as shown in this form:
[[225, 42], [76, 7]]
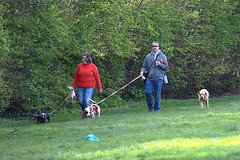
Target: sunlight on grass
[[194, 143], [186, 146], [234, 114]]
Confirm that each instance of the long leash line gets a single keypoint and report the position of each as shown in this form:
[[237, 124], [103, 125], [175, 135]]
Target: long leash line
[[104, 98], [118, 90], [60, 104]]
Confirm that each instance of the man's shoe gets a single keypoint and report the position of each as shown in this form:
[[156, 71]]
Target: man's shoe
[[150, 109]]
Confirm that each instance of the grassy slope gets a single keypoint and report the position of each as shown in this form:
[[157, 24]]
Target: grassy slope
[[181, 130]]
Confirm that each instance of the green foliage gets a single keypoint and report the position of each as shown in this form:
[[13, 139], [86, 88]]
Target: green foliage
[[198, 41], [42, 41], [36, 71], [5, 92]]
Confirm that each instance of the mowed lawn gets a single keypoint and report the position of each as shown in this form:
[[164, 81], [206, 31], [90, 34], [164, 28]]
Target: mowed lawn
[[181, 130]]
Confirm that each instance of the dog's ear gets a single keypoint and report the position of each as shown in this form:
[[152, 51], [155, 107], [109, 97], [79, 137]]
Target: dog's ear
[[84, 114], [198, 94]]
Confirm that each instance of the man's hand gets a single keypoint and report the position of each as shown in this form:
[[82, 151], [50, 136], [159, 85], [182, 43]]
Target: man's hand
[[143, 78], [158, 63]]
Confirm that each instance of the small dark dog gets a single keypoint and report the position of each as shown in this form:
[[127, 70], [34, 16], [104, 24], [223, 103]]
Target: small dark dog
[[42, 117]]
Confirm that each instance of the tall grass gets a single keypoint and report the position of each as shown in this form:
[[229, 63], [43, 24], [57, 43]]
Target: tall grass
[[181, 130]]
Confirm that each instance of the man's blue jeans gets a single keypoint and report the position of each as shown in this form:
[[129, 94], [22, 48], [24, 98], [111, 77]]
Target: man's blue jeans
[[83, 94], [148, 92]]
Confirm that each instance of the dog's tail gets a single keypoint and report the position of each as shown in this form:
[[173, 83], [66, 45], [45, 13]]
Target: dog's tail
[[92, 100]]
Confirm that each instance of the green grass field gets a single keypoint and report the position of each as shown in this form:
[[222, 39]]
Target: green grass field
[[181, 130]]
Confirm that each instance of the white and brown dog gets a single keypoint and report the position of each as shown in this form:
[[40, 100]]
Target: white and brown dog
[[91, 110], [203, 95]]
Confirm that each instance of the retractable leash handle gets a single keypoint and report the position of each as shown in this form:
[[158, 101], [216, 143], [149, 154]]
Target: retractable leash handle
[[69, 87], [72, 92]]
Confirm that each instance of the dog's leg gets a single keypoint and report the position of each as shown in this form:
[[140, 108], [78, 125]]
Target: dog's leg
[[93, 114], [84, 115], [201, 104], [207, 103], [38, 119], [98, 113]]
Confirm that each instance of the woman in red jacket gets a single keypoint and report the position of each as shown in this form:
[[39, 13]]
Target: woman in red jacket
[[85, 77]]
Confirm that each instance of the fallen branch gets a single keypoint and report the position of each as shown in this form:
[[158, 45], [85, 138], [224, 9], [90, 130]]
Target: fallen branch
[[10, 132], [15, 130]]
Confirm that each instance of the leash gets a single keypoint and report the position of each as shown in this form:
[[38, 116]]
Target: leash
[[60, 105], [104, 98], [116, 91]]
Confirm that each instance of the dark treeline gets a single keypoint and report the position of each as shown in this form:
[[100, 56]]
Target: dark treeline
[[41, 43]]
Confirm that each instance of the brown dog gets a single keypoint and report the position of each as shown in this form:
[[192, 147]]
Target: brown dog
[[203, 95], [91, 110]]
